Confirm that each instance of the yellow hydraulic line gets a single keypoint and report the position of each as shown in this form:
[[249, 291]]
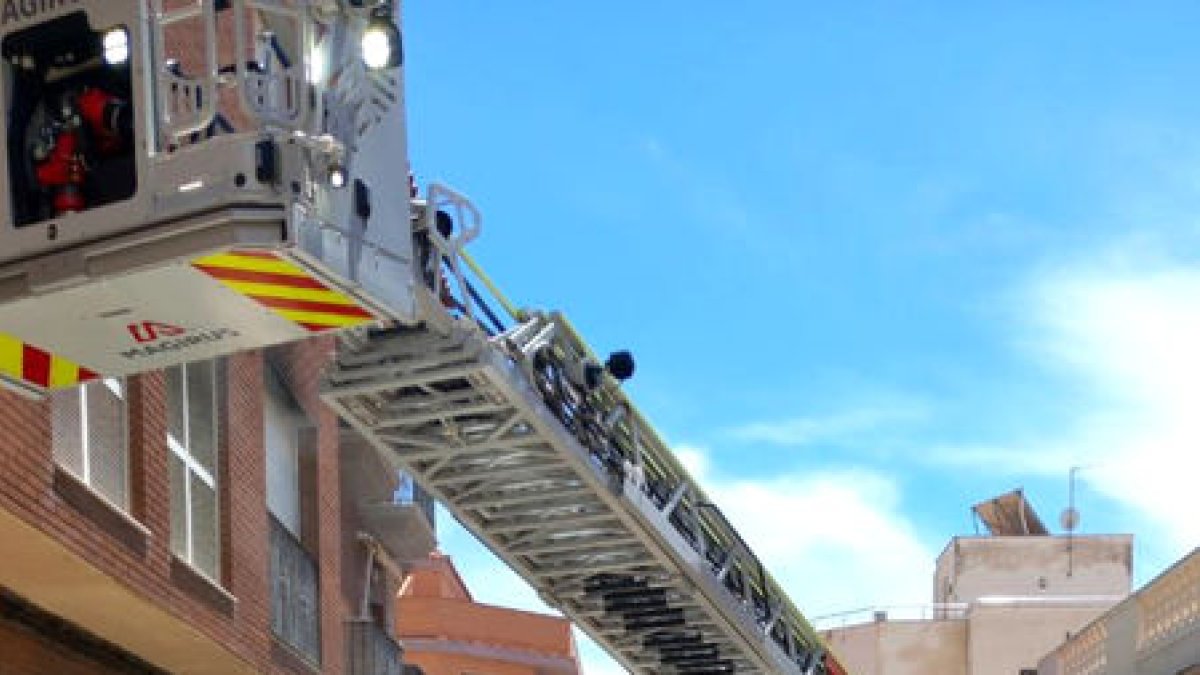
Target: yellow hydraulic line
[[513, 313]]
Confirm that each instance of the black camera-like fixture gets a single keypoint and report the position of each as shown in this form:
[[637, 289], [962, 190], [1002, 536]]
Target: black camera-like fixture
[[620, 364]]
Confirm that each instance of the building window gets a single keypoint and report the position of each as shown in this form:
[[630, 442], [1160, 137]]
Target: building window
[[295, 576], [283, 422], [192, 437], [88, 427], [290, 446]]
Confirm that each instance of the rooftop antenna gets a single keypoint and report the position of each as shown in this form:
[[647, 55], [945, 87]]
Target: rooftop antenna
[[1070, 518]]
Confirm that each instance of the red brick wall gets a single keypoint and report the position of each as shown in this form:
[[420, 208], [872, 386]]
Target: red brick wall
[[27, 490], [246, 559]]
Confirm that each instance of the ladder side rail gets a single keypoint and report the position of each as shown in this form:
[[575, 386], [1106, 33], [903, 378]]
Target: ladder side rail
[[459, 284], [707, 589], [730, 563], [715, 534], [715, 589], [449, 247], [759, 587], [682, 508], [668, 558], [715, 523]]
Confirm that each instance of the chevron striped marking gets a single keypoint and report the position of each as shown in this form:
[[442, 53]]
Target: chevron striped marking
[[22, 361], [284, 288]]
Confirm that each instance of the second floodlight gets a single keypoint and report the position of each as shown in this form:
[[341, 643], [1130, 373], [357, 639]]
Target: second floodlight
[[381, 45]]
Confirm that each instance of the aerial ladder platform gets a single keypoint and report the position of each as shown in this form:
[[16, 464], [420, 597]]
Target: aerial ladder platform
[[187, 179], [517, 428]]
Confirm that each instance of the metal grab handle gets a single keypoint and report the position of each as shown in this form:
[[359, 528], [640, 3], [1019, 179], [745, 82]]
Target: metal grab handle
[[469, 228], [450, 249], [186, 105], [276, 94]]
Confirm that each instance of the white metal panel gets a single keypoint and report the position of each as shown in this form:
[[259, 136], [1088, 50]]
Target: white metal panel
[[95, 324], [365, 114]]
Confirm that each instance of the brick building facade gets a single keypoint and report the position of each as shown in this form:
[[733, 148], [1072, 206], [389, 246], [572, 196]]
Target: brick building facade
[[197, 520], [211, 518]]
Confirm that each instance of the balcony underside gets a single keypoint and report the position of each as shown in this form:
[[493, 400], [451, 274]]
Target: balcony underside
[[44, 572]]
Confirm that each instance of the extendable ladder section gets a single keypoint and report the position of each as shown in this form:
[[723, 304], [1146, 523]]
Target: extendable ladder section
[[623, 555]]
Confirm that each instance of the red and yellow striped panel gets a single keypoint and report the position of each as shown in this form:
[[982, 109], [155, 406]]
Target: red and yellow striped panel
[[23, 361], [285, 288]]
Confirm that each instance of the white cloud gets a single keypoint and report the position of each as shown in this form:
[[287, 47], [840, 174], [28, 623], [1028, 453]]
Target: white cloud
[[1128, 335], [841, 426], [834, 540], [694, 459]]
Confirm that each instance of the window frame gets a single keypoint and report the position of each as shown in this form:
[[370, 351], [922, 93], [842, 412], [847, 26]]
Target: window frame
[[284, 416], [120, 388], [192, 466]]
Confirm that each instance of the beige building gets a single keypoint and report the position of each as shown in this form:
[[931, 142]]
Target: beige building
[[1156, 631], [1000, 602]]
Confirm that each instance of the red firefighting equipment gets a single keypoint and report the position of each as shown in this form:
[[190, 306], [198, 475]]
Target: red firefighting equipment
[[89, 122], [102, 113]]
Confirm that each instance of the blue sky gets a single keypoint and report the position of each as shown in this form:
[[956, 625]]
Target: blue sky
[[877, 262]]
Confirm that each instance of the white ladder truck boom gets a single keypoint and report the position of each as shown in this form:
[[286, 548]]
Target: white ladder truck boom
[[188, 179], [512, 423]]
